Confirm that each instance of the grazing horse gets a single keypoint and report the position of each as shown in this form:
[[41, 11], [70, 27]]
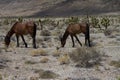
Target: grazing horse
[[74, 29], [20, 29]]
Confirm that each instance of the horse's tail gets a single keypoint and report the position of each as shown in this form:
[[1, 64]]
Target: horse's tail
[[35, 29]]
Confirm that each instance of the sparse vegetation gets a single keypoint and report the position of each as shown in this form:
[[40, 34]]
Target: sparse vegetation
[[86, 57]]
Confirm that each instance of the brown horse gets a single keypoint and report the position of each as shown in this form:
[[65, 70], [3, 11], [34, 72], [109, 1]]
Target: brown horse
[[74, 29], [20, 29]]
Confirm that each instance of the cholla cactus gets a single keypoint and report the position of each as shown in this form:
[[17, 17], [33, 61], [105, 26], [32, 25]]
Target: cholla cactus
[[95, 22], [105, 22], [72, 20]]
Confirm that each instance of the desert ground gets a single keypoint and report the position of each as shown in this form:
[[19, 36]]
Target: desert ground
[[51, 62]]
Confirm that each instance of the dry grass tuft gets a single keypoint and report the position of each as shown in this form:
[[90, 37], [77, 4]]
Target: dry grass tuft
[[64, 59], [39, 52], [44, 60], [86, 57], [56, 53]]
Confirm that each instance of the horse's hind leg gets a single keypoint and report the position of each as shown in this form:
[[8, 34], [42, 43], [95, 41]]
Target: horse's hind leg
[[24, 41], [78, 40], [34, 42], [17, 37], [72, 41]]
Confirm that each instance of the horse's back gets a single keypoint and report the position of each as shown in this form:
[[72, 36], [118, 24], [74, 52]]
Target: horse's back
[[76, 28], [24, 28]]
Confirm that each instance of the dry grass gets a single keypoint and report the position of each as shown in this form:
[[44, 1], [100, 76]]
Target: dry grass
[[39, 52], [64, 59], [86, 57], [44, 60], [56, 53]]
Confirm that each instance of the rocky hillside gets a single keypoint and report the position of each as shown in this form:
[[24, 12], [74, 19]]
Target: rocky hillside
[[58, 7]]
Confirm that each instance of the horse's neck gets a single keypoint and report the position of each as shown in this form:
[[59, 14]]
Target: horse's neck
[[65, 35], [10, 33]]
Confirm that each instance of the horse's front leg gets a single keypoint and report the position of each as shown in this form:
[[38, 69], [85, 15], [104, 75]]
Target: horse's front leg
[[17, 37], [24, 41], [78, 40], [72, 41]]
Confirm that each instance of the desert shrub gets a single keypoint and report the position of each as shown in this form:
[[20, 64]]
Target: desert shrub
[[105, 22], [115, 63], [85, 57], [47, 75], [20, 19], [64, 59], [30, 62], [72, 20], [39, 52], [118, 78], [95, 22], [44, 60], [6, 21], [108, 32], [1, 77], [45, 33]]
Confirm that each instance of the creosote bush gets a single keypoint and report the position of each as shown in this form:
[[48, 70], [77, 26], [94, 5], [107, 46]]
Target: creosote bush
[[85, 57]]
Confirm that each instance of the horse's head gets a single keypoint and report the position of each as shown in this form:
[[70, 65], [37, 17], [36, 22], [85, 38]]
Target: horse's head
[[7, 41], [62, 42]]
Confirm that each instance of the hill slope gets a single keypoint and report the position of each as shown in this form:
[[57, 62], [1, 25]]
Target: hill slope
[[58, 7]]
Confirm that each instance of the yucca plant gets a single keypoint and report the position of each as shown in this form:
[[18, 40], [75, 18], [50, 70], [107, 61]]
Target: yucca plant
[[105, 22]]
